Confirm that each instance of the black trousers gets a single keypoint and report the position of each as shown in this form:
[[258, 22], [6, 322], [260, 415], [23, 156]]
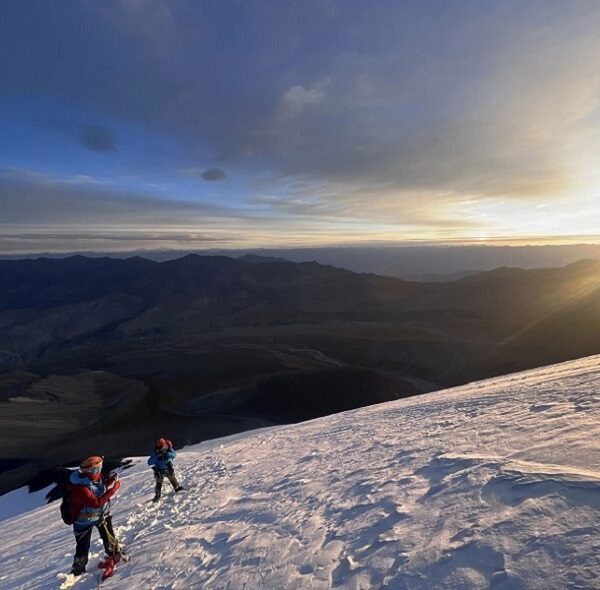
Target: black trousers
[[83, 538], [159, 476]]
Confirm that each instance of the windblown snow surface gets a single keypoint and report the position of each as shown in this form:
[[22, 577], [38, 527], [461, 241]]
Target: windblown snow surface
[[490, 485]]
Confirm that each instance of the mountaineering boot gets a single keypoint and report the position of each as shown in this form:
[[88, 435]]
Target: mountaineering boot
[[79, 564], [108, 559], [179, 488], [109, 567], [112, 560], [156, 498]]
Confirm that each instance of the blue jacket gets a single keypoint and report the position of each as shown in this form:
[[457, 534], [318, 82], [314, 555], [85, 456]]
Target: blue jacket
[[164, 461], [90, 501]]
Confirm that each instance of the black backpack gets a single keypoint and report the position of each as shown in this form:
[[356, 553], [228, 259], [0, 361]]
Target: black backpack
[[65, 506]]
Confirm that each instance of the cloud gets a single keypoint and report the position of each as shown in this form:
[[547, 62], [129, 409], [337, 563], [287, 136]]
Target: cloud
[[38, 240], [296, 99], [44, 202], [114, 236], [511, 127], [213, 174], [25, 175], [96, 138], [375, 204], [39, 212]]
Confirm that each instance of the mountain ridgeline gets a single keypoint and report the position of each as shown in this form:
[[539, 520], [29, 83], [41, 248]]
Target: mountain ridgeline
[[209, 345]]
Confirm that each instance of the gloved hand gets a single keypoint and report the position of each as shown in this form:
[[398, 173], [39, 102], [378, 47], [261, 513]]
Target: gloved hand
[[111, 480], [110, 492]]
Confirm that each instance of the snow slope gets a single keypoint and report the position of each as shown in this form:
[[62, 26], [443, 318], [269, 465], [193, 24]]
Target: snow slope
[[19, 501], [491, 485]]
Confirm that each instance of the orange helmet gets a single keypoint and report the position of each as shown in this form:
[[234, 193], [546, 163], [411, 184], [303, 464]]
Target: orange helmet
[[162, 443], [94, 462]]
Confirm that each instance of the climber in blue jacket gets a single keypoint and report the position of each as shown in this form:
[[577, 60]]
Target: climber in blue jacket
[[161, 461]]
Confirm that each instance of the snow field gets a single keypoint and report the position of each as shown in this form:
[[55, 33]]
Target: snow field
[[491, 485]]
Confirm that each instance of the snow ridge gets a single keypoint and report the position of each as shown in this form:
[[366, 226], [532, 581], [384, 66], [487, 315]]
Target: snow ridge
[[490, 485]]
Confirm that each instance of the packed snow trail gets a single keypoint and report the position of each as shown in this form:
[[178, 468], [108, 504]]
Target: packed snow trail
[[491, 485]]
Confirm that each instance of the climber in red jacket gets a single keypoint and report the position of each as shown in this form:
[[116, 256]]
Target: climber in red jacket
[[90, 507]]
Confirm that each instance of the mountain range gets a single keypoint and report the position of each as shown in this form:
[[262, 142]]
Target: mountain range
[[100, 352], [414, 262]]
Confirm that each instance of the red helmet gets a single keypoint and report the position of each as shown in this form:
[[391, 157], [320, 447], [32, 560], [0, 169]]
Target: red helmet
[[162, 443]]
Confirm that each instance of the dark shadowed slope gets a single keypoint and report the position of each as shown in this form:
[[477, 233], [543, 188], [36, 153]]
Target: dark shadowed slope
[[215, 345], [48, 282]]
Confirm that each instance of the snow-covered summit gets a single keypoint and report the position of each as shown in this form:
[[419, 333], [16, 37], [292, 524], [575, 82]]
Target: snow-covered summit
[[491, 485]]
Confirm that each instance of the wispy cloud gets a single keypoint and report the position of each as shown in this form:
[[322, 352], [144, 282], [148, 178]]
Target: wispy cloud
[[71, 203], [296, 99]]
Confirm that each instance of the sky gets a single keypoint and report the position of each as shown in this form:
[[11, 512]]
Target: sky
[[131, 124]]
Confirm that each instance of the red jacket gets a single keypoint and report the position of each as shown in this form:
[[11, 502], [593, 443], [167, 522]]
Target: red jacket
[[90, 500]]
